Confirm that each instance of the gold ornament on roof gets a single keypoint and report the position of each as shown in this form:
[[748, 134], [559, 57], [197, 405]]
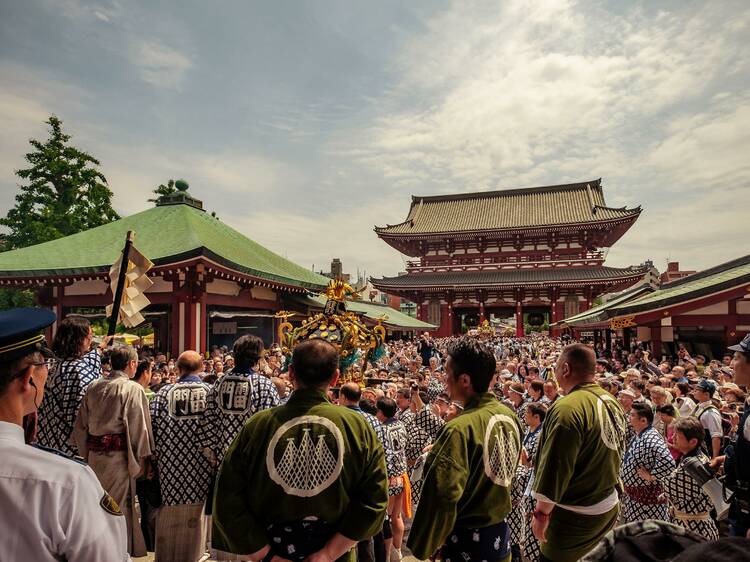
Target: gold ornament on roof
[[344, 329]]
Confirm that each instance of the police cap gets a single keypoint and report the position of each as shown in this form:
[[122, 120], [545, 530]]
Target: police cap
[[21, 332]]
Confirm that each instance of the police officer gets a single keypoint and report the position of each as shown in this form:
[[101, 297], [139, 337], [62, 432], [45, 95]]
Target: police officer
[[53, 506], [737, 465]]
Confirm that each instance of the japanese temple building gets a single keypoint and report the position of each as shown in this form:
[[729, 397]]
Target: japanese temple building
[[211, 283], [707, 310], [535, 253]]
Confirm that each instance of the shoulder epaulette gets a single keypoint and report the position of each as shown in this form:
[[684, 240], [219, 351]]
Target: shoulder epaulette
[[74, 458]]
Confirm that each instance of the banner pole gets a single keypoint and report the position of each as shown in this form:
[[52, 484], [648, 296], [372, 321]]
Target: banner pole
[[120, 284]]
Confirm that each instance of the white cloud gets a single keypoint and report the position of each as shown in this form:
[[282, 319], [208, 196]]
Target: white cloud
[[103, 10], [309, 240], [505, 91], [27, 100], [159, 65]]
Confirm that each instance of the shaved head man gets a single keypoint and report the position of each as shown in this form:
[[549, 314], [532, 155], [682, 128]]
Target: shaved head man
[[578, 461], [190, 363], [176, 415]]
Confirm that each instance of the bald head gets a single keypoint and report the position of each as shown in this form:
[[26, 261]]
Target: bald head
[[190, 362], [577, 364], [350, 394]]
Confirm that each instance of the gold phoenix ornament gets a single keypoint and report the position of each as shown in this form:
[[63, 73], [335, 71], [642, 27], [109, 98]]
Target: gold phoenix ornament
[[338, 326]]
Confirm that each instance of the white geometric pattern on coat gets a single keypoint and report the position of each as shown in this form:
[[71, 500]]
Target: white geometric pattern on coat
[[686, 495], [612, 435], [66, 387], [184, 473], [501, 449], [309, 468], [224, 418]]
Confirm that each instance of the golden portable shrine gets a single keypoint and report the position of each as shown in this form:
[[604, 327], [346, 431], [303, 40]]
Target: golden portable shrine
[[344, 329], [485, 330]]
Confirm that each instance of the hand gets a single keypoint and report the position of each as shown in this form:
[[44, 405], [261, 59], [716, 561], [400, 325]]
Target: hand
[[644, 474], [716, 462], [539, 528], [106, 342], [210, 456], [435, 410]]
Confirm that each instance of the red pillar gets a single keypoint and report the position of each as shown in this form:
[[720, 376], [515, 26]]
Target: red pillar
[[421, 312], [655, 343], [519, 320], [731, 337], [175, 327], [446, 321], [190, 323], [481, 312]]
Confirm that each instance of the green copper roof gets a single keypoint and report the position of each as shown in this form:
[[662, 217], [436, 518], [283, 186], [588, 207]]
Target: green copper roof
[[599, 313], [164, 234], [715, 279], [372, 311]]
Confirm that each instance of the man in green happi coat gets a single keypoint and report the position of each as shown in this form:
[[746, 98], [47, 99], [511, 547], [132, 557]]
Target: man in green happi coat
[[302, 481], [578, 461], [467, 475]]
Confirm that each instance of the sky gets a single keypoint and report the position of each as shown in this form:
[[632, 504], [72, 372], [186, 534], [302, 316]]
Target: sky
[[305, 124]]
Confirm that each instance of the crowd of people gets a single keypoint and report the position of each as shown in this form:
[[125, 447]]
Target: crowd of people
[[181, 444]]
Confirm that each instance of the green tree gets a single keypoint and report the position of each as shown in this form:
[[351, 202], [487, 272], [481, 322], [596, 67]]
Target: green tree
[[63, 193], [162, 190]]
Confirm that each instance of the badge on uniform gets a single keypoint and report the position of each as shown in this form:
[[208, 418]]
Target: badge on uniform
[[109, 505]]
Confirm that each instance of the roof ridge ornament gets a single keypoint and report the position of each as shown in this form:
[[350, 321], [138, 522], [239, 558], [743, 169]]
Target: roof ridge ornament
[[180, 197]]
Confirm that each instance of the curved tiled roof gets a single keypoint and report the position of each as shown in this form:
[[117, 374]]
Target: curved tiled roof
[[513, 277], [508, 209], [164, 234]]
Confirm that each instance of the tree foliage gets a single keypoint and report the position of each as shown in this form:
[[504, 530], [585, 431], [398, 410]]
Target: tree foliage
[[163, 190], [63, 192]]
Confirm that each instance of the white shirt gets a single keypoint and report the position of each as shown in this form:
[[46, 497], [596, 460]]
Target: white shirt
[[51, 507], [686, 406], [710, 419]]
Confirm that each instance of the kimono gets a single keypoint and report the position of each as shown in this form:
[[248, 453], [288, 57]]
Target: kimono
[[184, 472], [577, 468], [466, 490], [298, 474], [690, 506], [531, 549], [642, 499], [421, 429], [116, 409], [230, 402], [63, 394], [434, 388], [396, 438]]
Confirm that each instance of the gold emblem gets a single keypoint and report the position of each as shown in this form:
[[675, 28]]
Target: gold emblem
[[109, 505]]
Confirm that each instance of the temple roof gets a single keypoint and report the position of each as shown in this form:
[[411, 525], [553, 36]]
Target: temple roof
[[715, 280], [390, 317], [165, 234], [534, 207], [510, 277]]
